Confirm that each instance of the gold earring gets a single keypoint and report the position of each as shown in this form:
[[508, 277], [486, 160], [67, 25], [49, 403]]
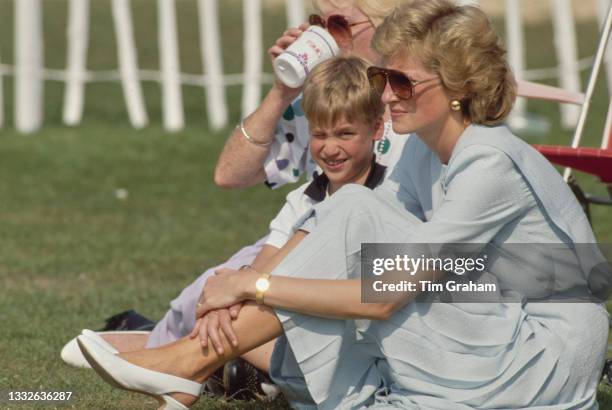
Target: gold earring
[[455, 105]]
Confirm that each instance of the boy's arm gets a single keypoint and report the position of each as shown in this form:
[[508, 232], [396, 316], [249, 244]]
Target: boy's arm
[[266, 253], [281, 227]]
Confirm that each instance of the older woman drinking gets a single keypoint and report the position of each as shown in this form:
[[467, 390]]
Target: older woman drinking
[[465, 179]]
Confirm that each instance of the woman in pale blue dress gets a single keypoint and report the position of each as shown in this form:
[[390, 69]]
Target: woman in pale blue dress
[[465, 179]]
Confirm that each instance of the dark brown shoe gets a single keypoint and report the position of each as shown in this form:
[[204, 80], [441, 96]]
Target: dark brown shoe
[[214, 385], [243, 381], [128, 320]]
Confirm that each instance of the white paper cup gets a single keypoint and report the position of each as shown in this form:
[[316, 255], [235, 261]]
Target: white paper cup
[[313, 46]]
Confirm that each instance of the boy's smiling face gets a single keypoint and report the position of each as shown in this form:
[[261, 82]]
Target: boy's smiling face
[[344, 150]]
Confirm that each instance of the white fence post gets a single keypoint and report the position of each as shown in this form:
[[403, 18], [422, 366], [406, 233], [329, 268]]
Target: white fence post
[[516, 56], [29, 84], [565, 43], [295, 12], [29, 72], [212, 62], [77, 36], [253, 56], [172, 96], [602, 10], [128, 64]]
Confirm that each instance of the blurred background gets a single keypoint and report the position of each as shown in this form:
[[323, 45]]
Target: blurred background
[[119, 210]]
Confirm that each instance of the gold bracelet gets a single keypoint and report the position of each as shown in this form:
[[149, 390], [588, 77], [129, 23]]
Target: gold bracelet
[[248, 137]]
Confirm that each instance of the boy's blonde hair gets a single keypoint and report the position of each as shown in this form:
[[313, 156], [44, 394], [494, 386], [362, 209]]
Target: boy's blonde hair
[[338, 89], [457, 43]]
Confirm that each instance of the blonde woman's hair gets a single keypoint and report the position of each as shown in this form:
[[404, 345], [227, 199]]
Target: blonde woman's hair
[[376, 10], [338, 89], [459, 44]]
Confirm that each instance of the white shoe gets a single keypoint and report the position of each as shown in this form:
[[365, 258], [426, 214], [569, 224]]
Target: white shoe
[[71, 354], [99, 340], [125, 375]]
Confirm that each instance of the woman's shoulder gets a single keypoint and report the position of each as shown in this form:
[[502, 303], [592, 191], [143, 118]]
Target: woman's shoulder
[[484, 157], [504, 162], [504, 150], [497, 139], [481, 166], [488, 173]]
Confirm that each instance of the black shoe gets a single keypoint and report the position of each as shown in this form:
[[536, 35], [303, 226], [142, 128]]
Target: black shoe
[[128, 320], [214, 385], [243, 381], [606, 374]]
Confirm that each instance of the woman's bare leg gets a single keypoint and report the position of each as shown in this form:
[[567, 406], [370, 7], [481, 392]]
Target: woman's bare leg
[[277, 258], [266, 261], [126, 342], [260, 356], [188, 359], [255, 326]]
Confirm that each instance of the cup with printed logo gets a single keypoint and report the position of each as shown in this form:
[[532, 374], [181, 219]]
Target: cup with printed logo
[[312, 47]]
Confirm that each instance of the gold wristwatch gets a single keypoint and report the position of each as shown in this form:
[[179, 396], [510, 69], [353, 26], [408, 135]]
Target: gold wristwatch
[[261, 286]]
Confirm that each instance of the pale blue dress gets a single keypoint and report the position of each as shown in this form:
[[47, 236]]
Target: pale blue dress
[[495, 189]]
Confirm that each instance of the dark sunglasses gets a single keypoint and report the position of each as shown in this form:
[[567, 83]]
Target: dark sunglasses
[[401, 84], [337, 25]]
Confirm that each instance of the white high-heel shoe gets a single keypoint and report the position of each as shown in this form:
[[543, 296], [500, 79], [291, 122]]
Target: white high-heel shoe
[[71, 354], [125, 375]]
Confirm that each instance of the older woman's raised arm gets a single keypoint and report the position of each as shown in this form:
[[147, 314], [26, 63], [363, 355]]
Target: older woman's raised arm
[[241, 163]]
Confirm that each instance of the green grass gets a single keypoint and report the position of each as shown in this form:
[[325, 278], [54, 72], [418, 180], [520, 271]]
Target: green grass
[[71, 253]]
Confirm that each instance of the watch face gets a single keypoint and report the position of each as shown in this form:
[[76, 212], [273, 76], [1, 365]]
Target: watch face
[[262, 284]]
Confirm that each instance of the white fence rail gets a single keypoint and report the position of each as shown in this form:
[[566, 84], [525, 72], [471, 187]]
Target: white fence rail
[[29, 72]]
